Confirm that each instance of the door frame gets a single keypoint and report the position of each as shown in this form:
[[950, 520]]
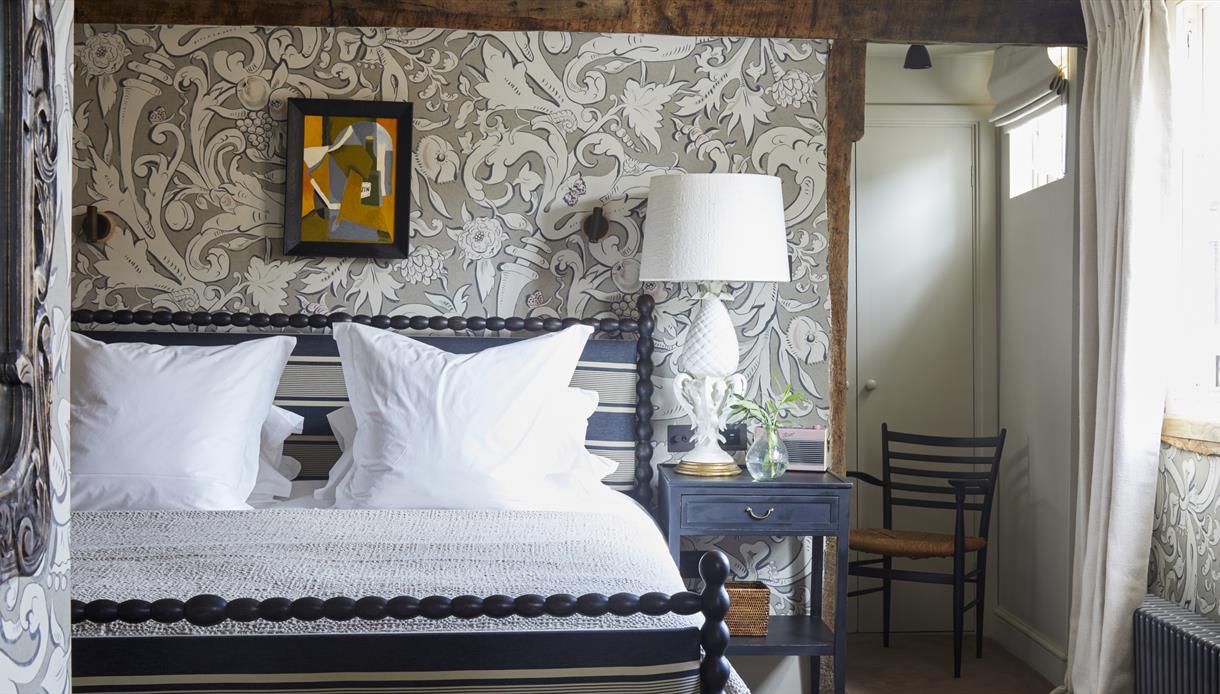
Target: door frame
[[985, 177]]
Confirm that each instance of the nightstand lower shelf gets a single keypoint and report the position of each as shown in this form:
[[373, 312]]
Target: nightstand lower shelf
[[789, 635]]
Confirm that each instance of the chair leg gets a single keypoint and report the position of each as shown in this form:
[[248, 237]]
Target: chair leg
[[886, 593], [959, 600], [980, 590]]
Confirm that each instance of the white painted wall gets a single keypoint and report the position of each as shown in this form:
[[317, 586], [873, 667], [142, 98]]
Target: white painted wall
[[1037, 396], [1031, 562], [958, 75], [953, 90], [922, 314]]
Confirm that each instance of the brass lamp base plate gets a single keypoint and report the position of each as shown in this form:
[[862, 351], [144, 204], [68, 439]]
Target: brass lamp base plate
[[687, 467]]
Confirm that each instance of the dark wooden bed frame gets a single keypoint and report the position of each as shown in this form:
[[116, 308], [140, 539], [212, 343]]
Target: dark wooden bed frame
[[111, 659]]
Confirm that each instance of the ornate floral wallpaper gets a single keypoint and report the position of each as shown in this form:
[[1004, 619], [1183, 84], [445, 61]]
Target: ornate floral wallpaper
[[518, 136], [1185, 565], [34, 612]]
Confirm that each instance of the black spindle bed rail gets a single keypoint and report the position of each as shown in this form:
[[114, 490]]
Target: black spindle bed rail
[[300, 321], [211, 610]]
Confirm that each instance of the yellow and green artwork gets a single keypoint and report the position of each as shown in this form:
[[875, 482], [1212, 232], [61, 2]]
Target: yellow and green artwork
[[346, 180]]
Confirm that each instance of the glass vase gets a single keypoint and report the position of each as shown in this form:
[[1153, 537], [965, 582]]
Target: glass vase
[[767, 458]]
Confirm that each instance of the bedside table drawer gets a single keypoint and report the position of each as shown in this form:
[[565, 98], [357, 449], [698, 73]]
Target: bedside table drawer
[[760, 513]]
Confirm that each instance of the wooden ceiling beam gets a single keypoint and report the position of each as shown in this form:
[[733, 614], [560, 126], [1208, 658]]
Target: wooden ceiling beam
[[1049, 22]]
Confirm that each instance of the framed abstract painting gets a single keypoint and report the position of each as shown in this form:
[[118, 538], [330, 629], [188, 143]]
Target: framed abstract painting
[[349, 177]]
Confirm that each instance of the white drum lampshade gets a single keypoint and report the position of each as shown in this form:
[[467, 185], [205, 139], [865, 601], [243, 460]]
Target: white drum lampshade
[[712, 228], [715, 228]]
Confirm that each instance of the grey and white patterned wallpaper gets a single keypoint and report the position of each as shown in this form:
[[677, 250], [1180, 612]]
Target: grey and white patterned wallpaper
[[1185, 565], [518, 136], [34, 612]]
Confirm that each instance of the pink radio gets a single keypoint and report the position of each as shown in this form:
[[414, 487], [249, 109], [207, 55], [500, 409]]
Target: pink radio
[[806, 449]]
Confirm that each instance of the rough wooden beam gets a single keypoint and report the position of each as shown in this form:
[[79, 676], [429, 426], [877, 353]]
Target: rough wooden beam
[[844, 127], [1049, 22], [1053, 22], [686, 17]]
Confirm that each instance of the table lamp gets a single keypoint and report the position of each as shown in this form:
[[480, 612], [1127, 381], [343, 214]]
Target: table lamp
[[710, 229]]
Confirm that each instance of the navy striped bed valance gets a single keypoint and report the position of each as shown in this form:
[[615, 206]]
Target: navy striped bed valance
[[679, 679], [595, 661], [313, 386]]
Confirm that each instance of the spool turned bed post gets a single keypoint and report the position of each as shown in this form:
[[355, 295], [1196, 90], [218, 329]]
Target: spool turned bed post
[[714, 636], [643, 402]]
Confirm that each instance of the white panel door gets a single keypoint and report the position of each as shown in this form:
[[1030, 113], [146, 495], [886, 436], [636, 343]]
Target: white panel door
[[920, 274]]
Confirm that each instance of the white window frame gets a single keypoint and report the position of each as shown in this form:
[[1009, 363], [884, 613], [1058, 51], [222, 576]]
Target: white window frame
[[1193, 403], [1037, 148]]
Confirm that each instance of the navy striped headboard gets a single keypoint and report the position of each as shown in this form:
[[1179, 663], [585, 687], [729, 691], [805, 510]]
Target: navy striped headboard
[[312, 385]]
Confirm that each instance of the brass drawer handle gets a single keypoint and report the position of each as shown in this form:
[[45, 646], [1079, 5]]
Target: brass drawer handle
[[764, 516]]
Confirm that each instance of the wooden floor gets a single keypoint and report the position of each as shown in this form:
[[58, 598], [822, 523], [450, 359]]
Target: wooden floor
[[923, 664]]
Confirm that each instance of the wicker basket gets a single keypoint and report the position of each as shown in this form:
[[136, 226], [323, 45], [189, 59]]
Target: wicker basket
[[749, 608]]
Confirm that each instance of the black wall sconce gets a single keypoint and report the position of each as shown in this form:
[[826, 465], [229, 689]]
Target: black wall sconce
[[98, 226], [595, 225]]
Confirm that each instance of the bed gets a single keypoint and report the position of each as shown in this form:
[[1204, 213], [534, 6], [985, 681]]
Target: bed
[[295, 599]]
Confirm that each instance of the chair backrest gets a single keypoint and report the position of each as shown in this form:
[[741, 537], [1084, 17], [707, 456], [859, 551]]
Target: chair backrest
[[917, 468]]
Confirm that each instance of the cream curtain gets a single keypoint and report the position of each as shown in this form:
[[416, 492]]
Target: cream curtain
[[1126, 240]]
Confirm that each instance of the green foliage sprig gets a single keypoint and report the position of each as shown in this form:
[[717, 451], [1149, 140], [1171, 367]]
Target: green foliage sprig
[[767, 413]]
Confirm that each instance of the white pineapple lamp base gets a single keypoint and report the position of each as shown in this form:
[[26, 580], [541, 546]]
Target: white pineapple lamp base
[[705, 386]]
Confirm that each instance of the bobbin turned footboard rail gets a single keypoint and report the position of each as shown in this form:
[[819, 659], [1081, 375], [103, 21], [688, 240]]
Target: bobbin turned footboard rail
[[652, 660]]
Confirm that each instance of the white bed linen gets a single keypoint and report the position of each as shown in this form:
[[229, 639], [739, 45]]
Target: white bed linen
[[275, 470], [170, 426], [416, 405], [286, 551], [568, 421], [302, 495]]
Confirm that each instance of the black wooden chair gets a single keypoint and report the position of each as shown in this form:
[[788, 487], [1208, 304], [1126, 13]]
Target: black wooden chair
[[971, 480]]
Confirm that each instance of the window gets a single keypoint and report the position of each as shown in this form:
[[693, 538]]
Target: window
[[1195, 390], [1037, 150]]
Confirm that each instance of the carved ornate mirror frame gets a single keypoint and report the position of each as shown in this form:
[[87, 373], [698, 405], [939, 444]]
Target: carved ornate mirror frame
[[27, 203]]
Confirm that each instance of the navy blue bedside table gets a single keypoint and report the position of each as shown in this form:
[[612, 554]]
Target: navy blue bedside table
[[813, 504]]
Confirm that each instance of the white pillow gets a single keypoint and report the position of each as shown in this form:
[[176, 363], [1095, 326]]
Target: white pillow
[[276, 470], [343, 424], [442, 430], [567, 419], [170, 427]]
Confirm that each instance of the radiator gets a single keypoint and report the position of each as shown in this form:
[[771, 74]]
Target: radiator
[[1176, 651]]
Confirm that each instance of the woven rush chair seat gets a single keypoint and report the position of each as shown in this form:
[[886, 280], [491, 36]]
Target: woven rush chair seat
[[903, 543]]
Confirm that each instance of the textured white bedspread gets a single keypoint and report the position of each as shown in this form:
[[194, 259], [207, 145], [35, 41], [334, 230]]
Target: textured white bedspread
[[324, 553], [292, 552]]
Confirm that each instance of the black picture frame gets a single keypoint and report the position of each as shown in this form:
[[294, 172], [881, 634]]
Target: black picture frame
[[399, 247]]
